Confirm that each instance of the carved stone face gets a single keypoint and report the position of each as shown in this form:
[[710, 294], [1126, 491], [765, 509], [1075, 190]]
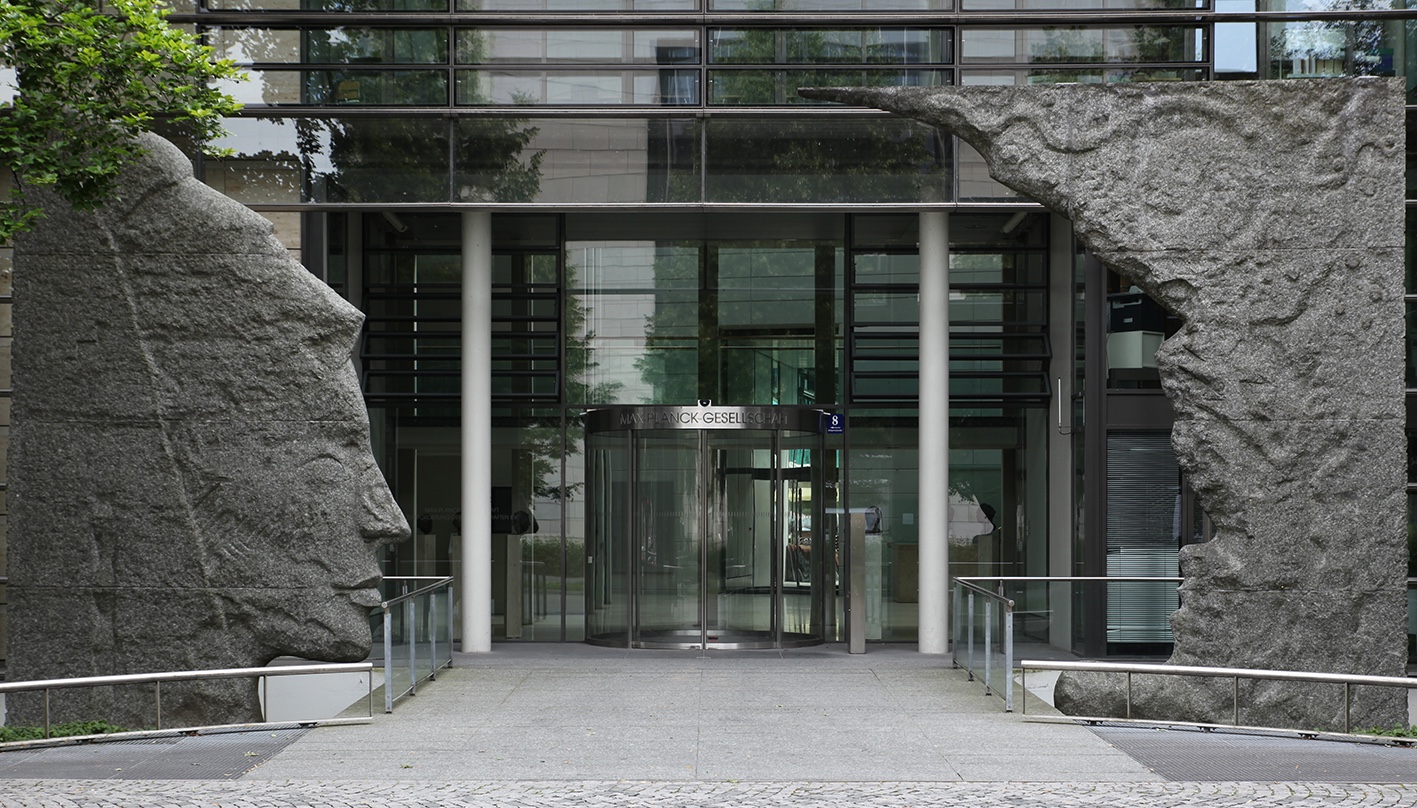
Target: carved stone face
[[292, 512], [192, 480]]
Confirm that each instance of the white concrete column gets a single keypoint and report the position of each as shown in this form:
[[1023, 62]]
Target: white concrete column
[[475, 588], [1062, 290], [934, 432]]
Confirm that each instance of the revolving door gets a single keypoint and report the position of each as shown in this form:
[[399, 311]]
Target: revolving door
[[705, 528]]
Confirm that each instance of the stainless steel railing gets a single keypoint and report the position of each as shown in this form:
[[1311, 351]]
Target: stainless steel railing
[[156, 679], [998, 624], [1348, 680], [420, 602], [966, 591]]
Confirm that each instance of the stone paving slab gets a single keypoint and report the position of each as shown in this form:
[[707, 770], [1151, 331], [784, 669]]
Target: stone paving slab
[[634, 794], [557, 726], [1189, 754], [583, 713]]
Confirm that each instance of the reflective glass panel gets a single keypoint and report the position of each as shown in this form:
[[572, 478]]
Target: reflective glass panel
[[377, 159], [824, 160], [328, 5], [266, 167], [1053, 75], [1081, 5], [386, 88], [527, 563], [892, 46], [376, 46], [602, 160], [1337, 48], [830, 5], [641, 324], [248, 45], [668, 539], [887, 268], [574, 499], [583, 87], [577, 5], [608, 521], [883, 488], [776, 87], [1083, 45], [577, 46], [1412, 345]]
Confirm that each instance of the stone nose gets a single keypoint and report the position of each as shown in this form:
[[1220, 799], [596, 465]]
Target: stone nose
[[380, 519]]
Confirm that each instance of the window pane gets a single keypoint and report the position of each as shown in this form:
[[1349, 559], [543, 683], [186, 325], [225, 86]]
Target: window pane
[[1080, 5], [1326, 49], [577, 5], [829, 46], [417, 88], [1083, 45], [376, 46], [577, 160], [824, 160], [578, 87], [328, 5], [774, 87], [887, 269], [580, 45], [1054, 75], [247, 45], [830, 5]]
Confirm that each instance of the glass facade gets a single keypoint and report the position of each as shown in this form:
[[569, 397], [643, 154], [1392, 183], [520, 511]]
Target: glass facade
[[672, 225]]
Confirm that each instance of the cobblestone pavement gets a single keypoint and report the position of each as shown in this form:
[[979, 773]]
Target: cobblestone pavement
[[628, 794]]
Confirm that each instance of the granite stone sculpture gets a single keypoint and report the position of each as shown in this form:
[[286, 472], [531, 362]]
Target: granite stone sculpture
[[1269, 216], [191, 481]]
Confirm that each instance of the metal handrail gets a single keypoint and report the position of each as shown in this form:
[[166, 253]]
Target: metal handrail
[[1348, 680], [408, 598], [46, 685], [996, 599], [439, 582]]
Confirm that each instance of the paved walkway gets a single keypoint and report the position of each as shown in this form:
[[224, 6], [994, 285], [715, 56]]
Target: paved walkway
[[573, 725]]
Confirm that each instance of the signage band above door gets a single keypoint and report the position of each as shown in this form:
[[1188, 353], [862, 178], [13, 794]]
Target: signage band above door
[[618, 419]]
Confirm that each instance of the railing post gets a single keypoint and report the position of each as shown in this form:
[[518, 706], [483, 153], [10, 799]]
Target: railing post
[[46, 712], [158, 691], [1347, 705], [412, 629], [1235, 702], [428, 612], [388, 661], [969, 658], [1009, 659], [449, 589], [954, 627], [1023, 691], [1129, 694], [988, 643]]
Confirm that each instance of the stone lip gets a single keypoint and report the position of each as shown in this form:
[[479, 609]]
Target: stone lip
[[191, 479], [1270, 217]]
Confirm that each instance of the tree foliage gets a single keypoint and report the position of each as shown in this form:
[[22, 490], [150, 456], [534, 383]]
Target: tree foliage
[[86, 80]]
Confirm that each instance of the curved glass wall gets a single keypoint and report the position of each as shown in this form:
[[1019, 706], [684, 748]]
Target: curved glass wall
[[705, 528]]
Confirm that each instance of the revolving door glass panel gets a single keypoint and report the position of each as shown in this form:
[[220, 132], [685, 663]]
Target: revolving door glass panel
[[666, 537], [704, 537]]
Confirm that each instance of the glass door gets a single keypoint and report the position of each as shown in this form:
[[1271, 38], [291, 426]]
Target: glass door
[[667, 538], [742, 582], [705, 538]]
